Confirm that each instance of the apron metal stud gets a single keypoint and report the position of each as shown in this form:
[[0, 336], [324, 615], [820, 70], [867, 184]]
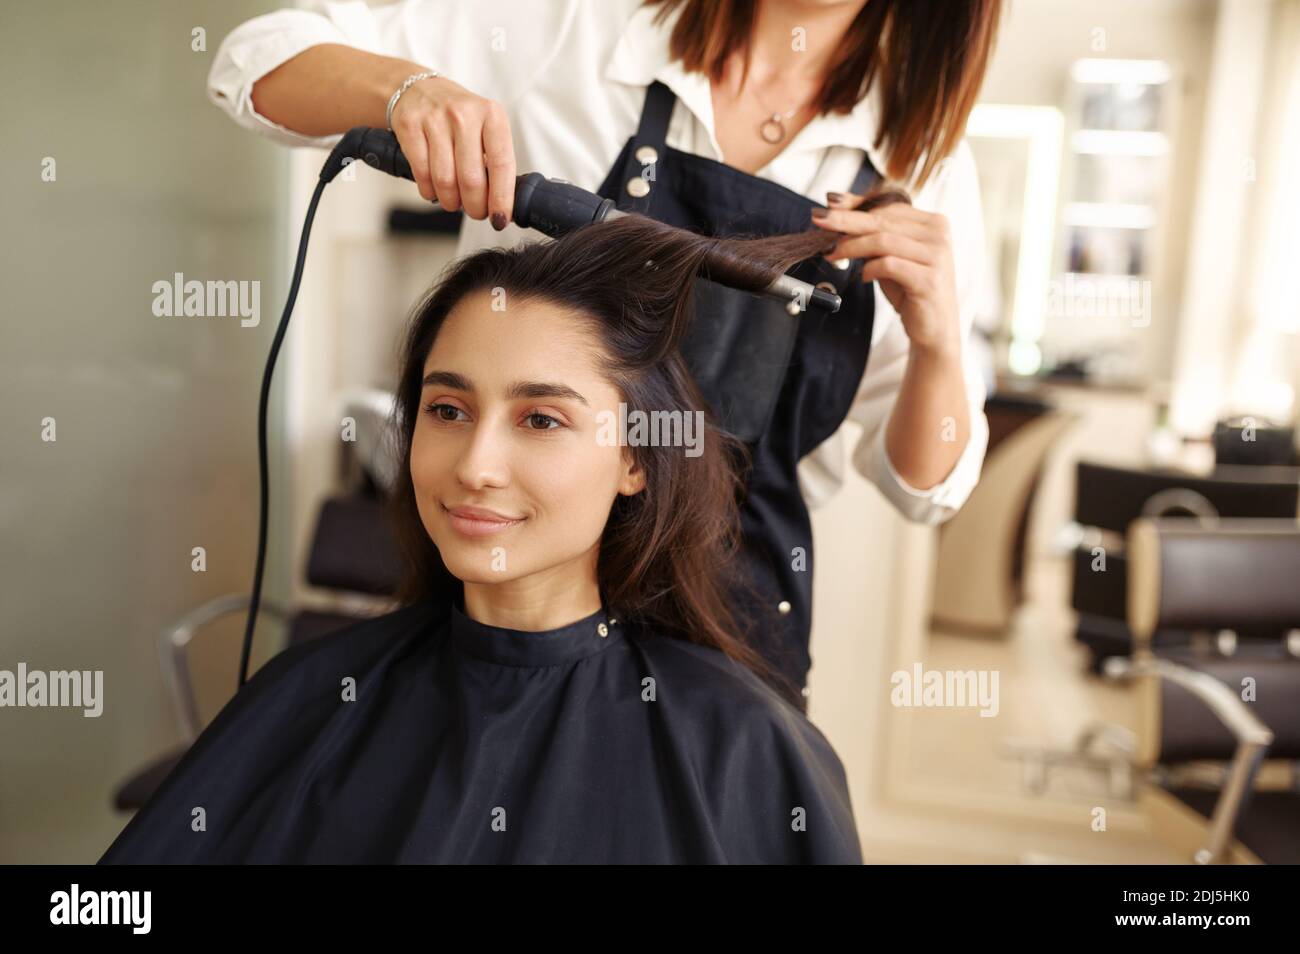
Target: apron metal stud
[[638, 187], [783, 607], [646, 155]]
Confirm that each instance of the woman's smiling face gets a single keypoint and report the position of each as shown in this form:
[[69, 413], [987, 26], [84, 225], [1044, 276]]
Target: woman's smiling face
[[510, 479]]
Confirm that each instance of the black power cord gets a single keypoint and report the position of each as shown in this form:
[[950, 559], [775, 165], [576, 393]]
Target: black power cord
[[378, 148], [263, 469]]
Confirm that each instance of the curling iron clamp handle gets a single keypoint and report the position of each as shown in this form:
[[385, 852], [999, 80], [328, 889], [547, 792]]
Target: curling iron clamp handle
[[551, 206], [378, 148]]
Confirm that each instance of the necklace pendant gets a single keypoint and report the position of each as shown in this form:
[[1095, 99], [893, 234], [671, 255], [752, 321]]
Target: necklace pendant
[[772, 130]]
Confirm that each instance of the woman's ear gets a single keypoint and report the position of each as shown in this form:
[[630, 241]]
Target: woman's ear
[[632, 480]]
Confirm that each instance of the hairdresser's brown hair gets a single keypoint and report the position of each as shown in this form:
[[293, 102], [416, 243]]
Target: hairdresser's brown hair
[[929, 57], [666, 552]]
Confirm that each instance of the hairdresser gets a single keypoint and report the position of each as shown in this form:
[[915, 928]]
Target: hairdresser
[[724, 117]]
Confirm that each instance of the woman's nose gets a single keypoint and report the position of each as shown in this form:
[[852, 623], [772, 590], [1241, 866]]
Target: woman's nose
[[484, 458]]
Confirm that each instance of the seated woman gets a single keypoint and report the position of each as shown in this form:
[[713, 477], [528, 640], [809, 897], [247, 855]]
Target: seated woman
[[564, 681]]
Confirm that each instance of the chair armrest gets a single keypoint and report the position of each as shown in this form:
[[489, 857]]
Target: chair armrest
[[1253, 739], [173, 653]]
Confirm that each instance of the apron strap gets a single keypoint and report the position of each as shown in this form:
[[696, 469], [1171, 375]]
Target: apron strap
[[655, 114], [643, 150], [653, 131], [866, 177]]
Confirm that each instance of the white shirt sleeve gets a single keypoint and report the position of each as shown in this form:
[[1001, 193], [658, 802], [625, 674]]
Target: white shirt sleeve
[[954, 193], [492, 49]]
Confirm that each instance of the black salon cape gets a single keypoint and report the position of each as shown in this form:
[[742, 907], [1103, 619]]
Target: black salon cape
[[468, 743]]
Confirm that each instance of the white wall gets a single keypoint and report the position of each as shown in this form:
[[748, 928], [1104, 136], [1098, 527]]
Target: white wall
[[155, 417]]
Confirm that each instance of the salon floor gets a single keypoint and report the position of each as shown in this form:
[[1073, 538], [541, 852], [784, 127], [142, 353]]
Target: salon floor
[[1046, 697]]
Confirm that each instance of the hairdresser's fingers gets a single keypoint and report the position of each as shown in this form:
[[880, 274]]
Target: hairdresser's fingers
[[884, 219], [499, 155], [410, 120], [471, 175], [875, 244], [898, 210], [866, 201], [416, 149], [442, 160], [934, 222], [913, 278]]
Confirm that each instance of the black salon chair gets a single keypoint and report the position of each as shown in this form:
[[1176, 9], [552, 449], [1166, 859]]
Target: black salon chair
[[1108, 499], [1193, 761], [352, 553], [1234, 711]]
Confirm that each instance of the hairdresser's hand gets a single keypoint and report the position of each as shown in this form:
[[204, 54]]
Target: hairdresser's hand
[[909, 252], [459, 147]]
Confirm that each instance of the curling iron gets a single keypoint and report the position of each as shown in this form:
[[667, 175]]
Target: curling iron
[[551, 206]]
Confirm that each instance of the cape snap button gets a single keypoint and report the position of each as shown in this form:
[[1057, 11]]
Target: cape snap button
[[638, 187], [783, 607], [646, 155]]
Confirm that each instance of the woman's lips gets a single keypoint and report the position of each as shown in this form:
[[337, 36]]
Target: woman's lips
[[479, 522]]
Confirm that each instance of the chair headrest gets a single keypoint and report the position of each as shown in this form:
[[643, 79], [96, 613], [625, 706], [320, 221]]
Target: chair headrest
[[1216, 574]]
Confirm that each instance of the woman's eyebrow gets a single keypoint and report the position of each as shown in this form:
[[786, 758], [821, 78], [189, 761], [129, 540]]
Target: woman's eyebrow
[[542, 389], [448, 379], [520, 389]]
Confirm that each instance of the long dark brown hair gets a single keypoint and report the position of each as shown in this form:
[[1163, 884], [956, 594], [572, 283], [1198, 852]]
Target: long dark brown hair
[[929, 57], [665, 556]]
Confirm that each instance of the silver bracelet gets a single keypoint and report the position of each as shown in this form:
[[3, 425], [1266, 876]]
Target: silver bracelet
[[410, 80]]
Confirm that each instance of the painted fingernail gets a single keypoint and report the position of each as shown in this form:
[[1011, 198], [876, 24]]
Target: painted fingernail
[[498, 220], [834, 198], [819, 213]]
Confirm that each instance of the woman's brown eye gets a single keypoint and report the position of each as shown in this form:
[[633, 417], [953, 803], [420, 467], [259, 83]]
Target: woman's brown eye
[[440, 412], [548, 421]]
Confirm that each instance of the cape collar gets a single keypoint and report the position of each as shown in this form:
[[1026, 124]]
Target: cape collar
[[552, 647]]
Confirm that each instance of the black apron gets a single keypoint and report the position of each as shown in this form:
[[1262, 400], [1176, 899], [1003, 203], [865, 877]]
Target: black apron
[[781, 384]]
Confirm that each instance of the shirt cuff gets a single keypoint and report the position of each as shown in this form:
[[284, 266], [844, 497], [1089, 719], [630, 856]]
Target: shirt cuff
[[932, 505], [249, 53]]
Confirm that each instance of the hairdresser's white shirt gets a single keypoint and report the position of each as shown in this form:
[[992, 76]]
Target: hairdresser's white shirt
[[572, 75]]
